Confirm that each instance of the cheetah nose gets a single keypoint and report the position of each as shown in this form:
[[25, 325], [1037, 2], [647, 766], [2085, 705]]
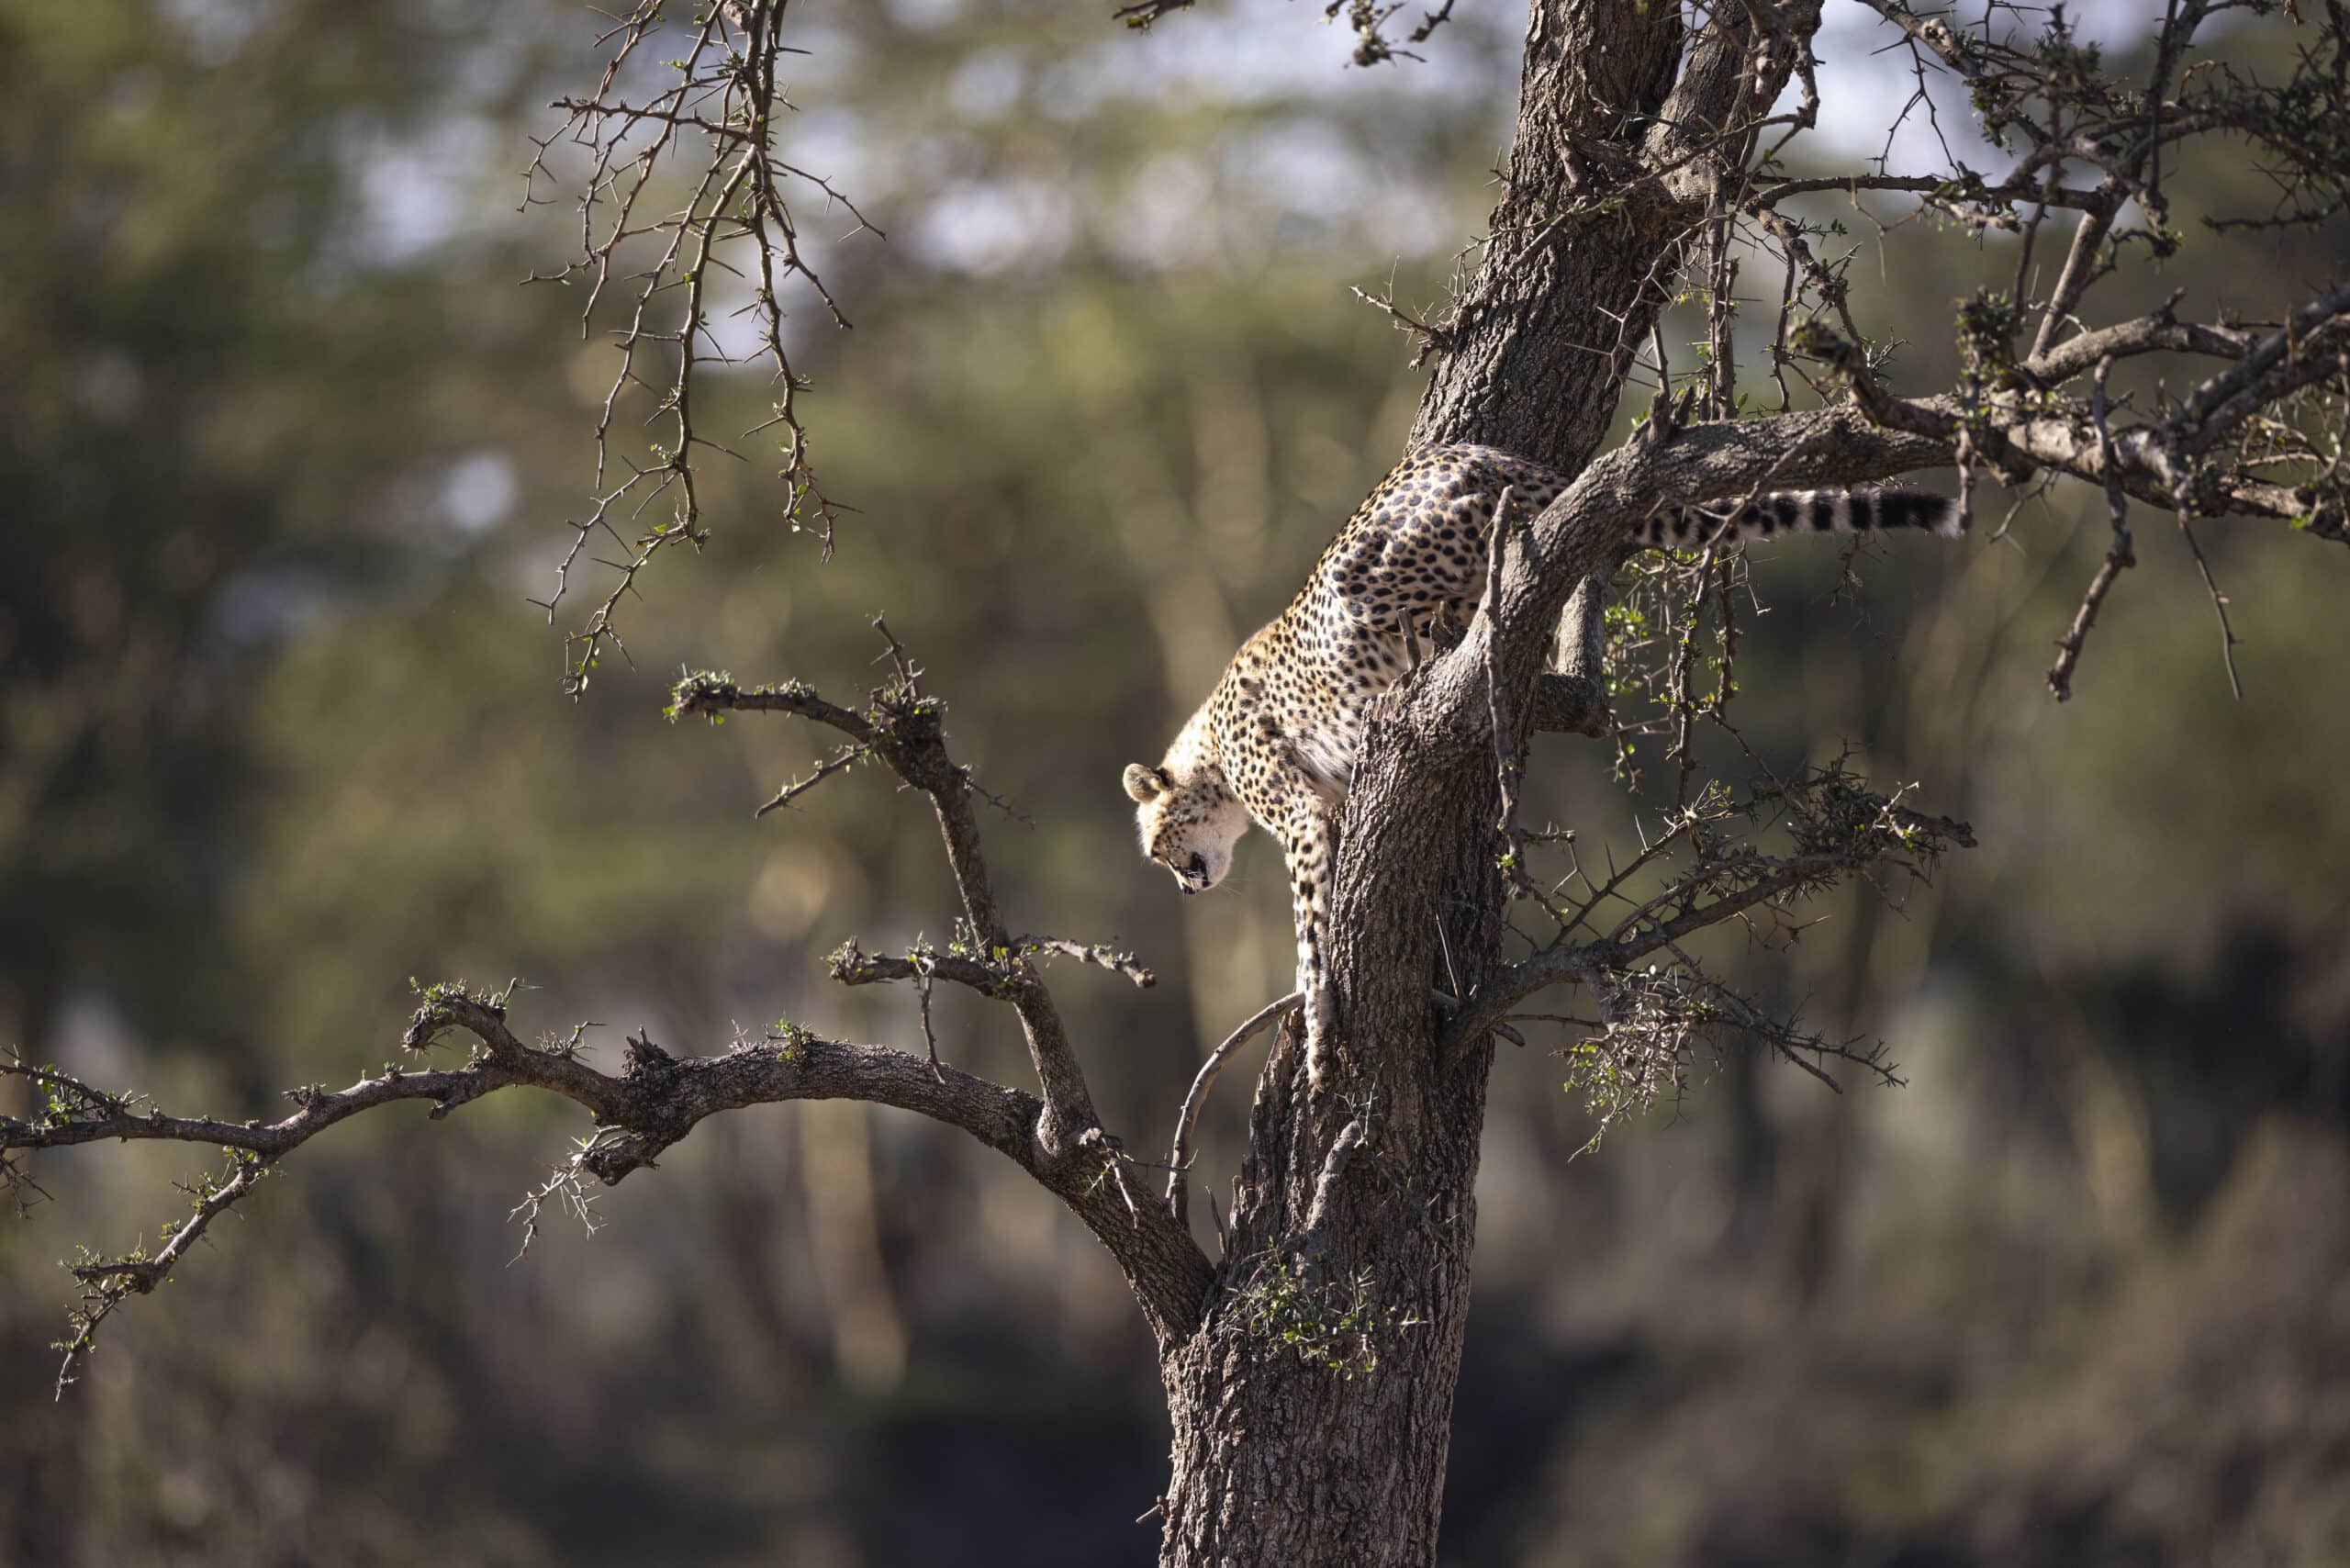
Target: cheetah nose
[[1188, 889]]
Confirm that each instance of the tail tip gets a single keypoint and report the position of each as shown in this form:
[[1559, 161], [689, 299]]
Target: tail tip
[[1952, 523]]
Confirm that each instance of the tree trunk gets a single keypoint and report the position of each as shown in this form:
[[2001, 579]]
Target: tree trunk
[[1313, 1408]]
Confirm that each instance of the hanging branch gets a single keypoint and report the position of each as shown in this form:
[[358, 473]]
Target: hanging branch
[[718, 114]]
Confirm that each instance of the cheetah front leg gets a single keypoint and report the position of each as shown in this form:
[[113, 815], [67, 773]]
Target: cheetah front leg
[[1307, 843]]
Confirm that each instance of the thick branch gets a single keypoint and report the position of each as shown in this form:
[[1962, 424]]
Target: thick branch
[[1569, 704], [1874, 438], [659, 1099]]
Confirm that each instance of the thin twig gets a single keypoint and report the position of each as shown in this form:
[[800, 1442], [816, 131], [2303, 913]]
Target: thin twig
[[1178, 1157]]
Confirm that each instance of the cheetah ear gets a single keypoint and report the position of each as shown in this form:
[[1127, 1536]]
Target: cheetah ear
[[1146, 784]]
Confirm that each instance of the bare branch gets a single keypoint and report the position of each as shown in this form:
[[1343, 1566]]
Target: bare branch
[[2118, 556], [648, 1107], [989, 974], [1427, 339], [107, 1283], [658, 1098], [904, 728], [1099, 957], [1836, 828], [1178, 1157], [722, 113]]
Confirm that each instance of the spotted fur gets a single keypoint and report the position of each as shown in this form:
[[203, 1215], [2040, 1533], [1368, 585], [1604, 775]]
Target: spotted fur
[[1276, 739]]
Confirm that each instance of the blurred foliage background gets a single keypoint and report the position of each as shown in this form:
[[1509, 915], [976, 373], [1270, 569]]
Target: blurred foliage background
[[283, 450]]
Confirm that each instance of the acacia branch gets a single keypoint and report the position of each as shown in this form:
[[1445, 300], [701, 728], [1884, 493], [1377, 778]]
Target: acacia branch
[[904, 729], [1839, 830], [658, 1099], [1635, 183], [2120, 555], [1100, 957], [721, 111], [991, 975], [108, 1282], [2026, 422]]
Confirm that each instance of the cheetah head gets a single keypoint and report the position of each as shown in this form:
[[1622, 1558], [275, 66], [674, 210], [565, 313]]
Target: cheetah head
[[1189, 819]]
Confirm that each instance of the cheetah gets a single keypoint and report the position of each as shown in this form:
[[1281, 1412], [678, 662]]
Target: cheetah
[[1275, 741]]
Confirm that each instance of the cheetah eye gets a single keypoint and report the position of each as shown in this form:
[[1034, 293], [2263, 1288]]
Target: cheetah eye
[[1198, 864]]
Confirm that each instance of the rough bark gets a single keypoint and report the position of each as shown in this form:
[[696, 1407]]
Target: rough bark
[[1359, 1197], [1299, 1440], [1547, 328]]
